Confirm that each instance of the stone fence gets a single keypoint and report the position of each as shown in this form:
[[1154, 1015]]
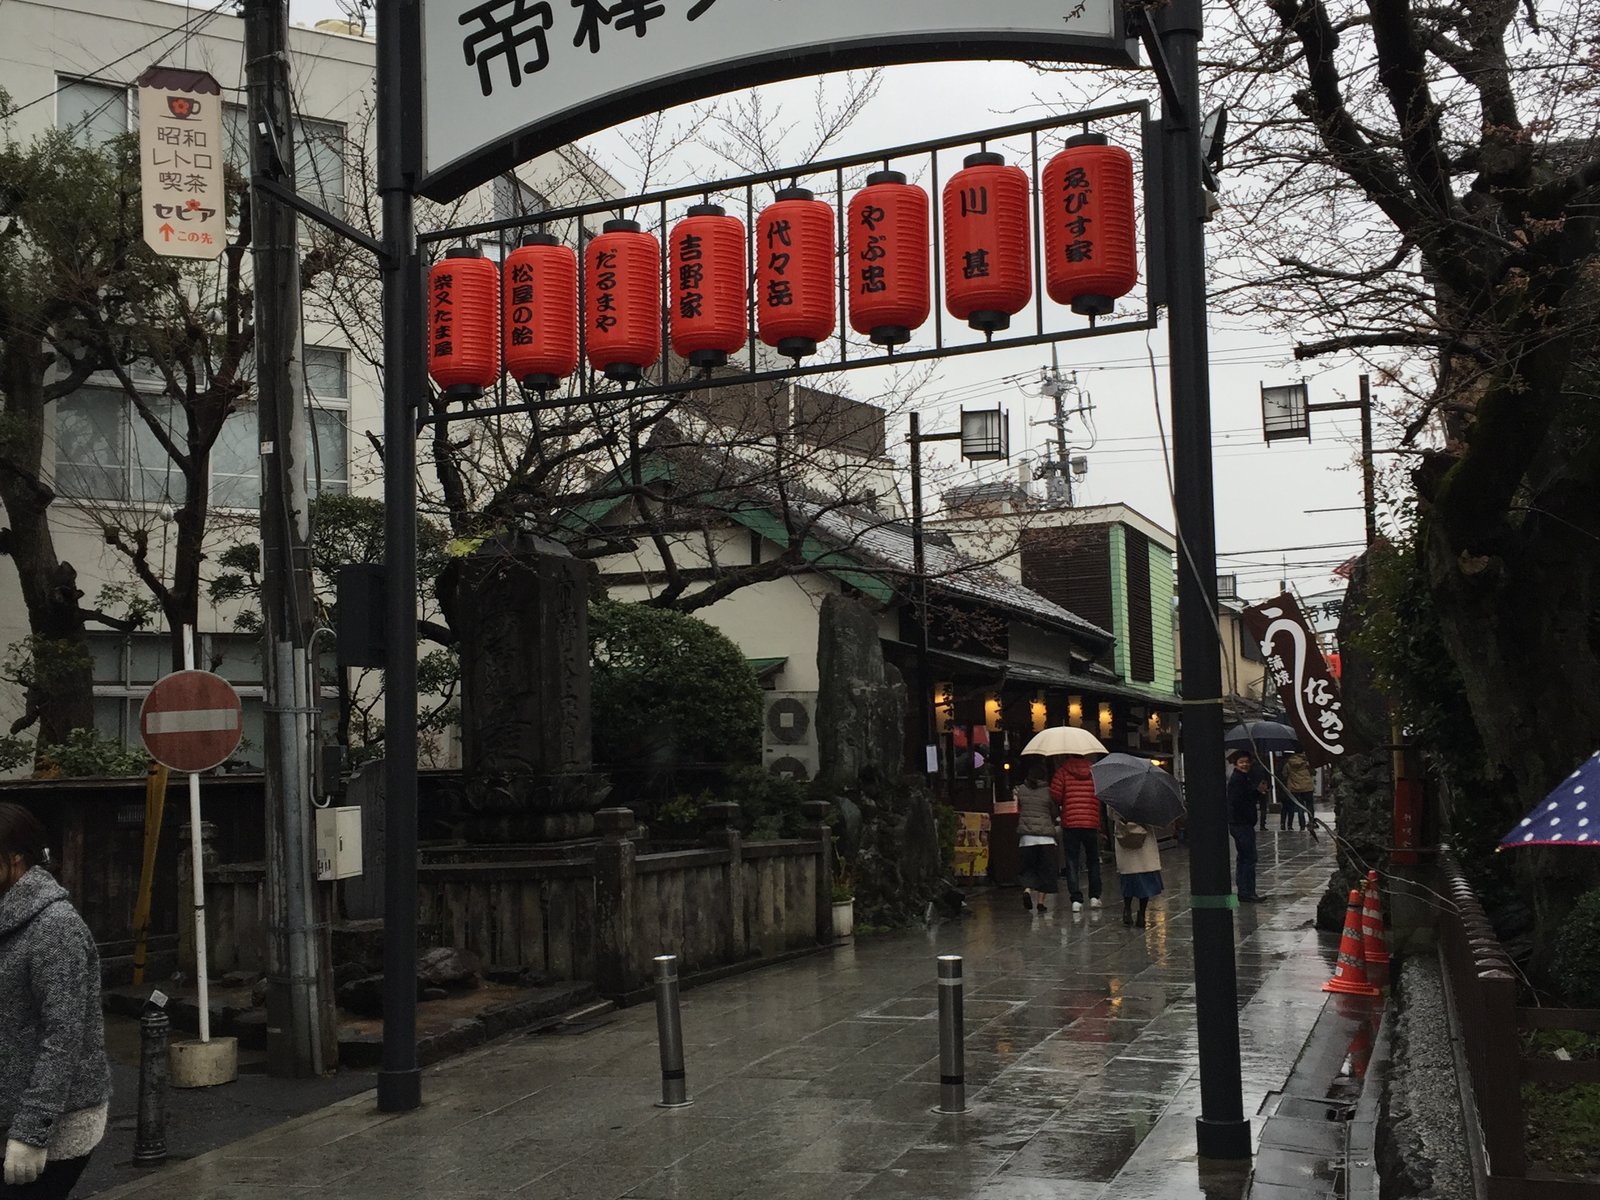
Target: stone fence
[[602, 916]]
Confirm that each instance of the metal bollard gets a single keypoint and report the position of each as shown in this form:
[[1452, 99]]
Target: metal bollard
[[952, 1031], [150, 1141], [669, 1031]]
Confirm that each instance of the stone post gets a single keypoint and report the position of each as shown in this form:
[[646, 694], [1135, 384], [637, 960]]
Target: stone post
[[614, 902], [722, 830], [186, 955], [816, 812]]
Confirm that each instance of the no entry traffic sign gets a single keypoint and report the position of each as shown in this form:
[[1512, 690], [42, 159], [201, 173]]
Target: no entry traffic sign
[[191, 721]]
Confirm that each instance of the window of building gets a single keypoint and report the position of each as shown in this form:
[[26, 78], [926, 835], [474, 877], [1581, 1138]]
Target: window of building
[[236, 460], [319, 155], [93, 113]]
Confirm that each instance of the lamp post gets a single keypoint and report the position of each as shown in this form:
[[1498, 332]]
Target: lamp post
[[1286, 413], [985, 436]]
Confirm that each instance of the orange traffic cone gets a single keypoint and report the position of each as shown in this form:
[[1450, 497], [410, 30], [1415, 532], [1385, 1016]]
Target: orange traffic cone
[[1350, 973], [1374, 945]]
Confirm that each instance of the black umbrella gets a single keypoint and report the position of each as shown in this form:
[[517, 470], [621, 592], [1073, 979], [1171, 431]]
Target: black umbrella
[[1137, 790], [1261, 737]]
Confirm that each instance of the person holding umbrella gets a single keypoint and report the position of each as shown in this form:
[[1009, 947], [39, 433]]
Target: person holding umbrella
[[1037, 820], [1073, 789], [1138, 867], [1142, 797]]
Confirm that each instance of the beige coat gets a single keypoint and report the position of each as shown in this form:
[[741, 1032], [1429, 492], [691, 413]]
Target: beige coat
[[1146, 857]]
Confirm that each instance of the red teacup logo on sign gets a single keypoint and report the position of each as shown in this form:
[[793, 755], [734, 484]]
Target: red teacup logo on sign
[[183, 107]]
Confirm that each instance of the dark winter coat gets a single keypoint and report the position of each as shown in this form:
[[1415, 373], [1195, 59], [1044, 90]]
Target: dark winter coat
[[1244, 798], [52, 1041], [1073, 789]]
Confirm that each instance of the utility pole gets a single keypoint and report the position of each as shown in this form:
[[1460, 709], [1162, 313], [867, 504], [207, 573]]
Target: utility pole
[[1222, 1130], [1058, 465], [300, 1038]]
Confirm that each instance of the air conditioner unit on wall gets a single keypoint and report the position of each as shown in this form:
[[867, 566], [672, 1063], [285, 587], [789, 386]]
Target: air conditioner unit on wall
[[789, 734]]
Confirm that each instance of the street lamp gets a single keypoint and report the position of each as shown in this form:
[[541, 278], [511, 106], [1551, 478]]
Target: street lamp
[[1286, 413], [985, 436]]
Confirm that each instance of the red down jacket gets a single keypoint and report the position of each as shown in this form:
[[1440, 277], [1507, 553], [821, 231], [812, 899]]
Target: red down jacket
[[1073, 789]]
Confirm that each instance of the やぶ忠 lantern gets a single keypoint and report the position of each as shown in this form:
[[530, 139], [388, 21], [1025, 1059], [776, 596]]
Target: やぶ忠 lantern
[[541, 312], [710, 286], [890, 289], [1090, 227], [794, 273], [464, 323], [622, 295], [986, 244]]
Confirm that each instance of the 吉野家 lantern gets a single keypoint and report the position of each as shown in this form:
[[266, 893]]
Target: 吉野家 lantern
[[986, 242], [464, 323], [541, 312], [622, 295], [794, 274], [710, 286], [890, 288], [1090, 226]]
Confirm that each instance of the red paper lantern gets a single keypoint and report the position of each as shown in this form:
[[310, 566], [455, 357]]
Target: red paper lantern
[[1090, 228], [622, 301], [986, 242], [541, 312], [794, 275], [464, 323], [890, 287], [710, 286]]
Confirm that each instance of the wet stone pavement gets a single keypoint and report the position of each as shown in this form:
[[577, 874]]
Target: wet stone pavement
[[818, 1079]]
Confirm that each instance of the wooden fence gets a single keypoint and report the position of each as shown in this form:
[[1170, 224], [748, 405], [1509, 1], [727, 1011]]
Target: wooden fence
[[1484, 995]]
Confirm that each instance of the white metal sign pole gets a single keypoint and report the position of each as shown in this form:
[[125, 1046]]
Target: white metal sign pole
[[196, 848]]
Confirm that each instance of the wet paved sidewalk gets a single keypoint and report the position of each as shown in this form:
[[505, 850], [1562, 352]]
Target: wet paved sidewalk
[[817, 1079]]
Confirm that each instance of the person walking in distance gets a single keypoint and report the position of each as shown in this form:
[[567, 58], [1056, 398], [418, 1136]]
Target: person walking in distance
[[1073, 789], [1300, 781], [1038, 824], [1242, 798], [1138, 866], [55, 1083]]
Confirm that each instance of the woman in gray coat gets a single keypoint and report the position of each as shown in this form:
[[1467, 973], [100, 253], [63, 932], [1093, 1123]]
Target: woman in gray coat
[[1037, 820], [55, 1083]]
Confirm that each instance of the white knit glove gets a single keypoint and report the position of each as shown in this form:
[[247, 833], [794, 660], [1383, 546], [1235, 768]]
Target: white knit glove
[[23, 1163]]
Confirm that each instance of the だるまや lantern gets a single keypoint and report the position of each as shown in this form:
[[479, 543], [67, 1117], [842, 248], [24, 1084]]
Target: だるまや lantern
[[622, 295], [1090, 226], [710, 286], [541, 312], [794, 274], [890, 288], [986, 242], [464, 323]]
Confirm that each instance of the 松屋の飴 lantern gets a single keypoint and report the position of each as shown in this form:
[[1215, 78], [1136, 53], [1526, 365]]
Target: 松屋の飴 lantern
[[795, 301], [710, 286], [1090, 225], [986, 242], [464, 323], [622, 297], [541, 312], [890, 280]]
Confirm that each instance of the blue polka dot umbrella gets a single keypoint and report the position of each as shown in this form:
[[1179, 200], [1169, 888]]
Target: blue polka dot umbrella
[[1568, 816]]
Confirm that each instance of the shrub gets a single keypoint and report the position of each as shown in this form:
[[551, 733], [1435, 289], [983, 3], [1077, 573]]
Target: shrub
[[1575, 965], [86, 754]]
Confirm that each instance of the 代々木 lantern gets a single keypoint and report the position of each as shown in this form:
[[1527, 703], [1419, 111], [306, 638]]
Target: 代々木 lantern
[[889, 276], [986, 242], [794, 274], [464, 323], [710, 286], [1090, 226], [622, 298], [541, 312]]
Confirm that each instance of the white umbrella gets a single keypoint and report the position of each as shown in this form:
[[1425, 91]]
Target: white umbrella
[[1064, 739]]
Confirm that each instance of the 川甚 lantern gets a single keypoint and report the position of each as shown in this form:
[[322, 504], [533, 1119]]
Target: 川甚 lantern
[[541, 312], [987, 275], [464, 323], [622, 299], [794, 273], [890, 289], [1090, 227], [710, 286]]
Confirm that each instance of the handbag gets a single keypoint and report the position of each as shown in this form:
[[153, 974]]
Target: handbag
[[1131, 836]]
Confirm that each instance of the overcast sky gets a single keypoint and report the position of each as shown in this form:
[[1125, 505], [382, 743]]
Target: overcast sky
[[1268, 498]]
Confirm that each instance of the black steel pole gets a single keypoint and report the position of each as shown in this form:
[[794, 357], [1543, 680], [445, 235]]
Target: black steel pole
[[399, 86], [1222, 1131], [919, 585], [1369, 473]]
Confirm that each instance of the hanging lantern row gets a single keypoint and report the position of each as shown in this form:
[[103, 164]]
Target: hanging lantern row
[[530, 306]]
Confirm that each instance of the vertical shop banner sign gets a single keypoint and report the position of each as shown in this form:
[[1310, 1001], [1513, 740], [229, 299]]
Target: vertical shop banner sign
[[180, 163], [1298, 671]]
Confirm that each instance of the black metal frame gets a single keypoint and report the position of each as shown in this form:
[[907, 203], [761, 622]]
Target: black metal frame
[[591, 386]]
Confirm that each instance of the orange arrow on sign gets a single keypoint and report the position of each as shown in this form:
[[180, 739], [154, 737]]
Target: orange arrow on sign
[[166, 233]]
